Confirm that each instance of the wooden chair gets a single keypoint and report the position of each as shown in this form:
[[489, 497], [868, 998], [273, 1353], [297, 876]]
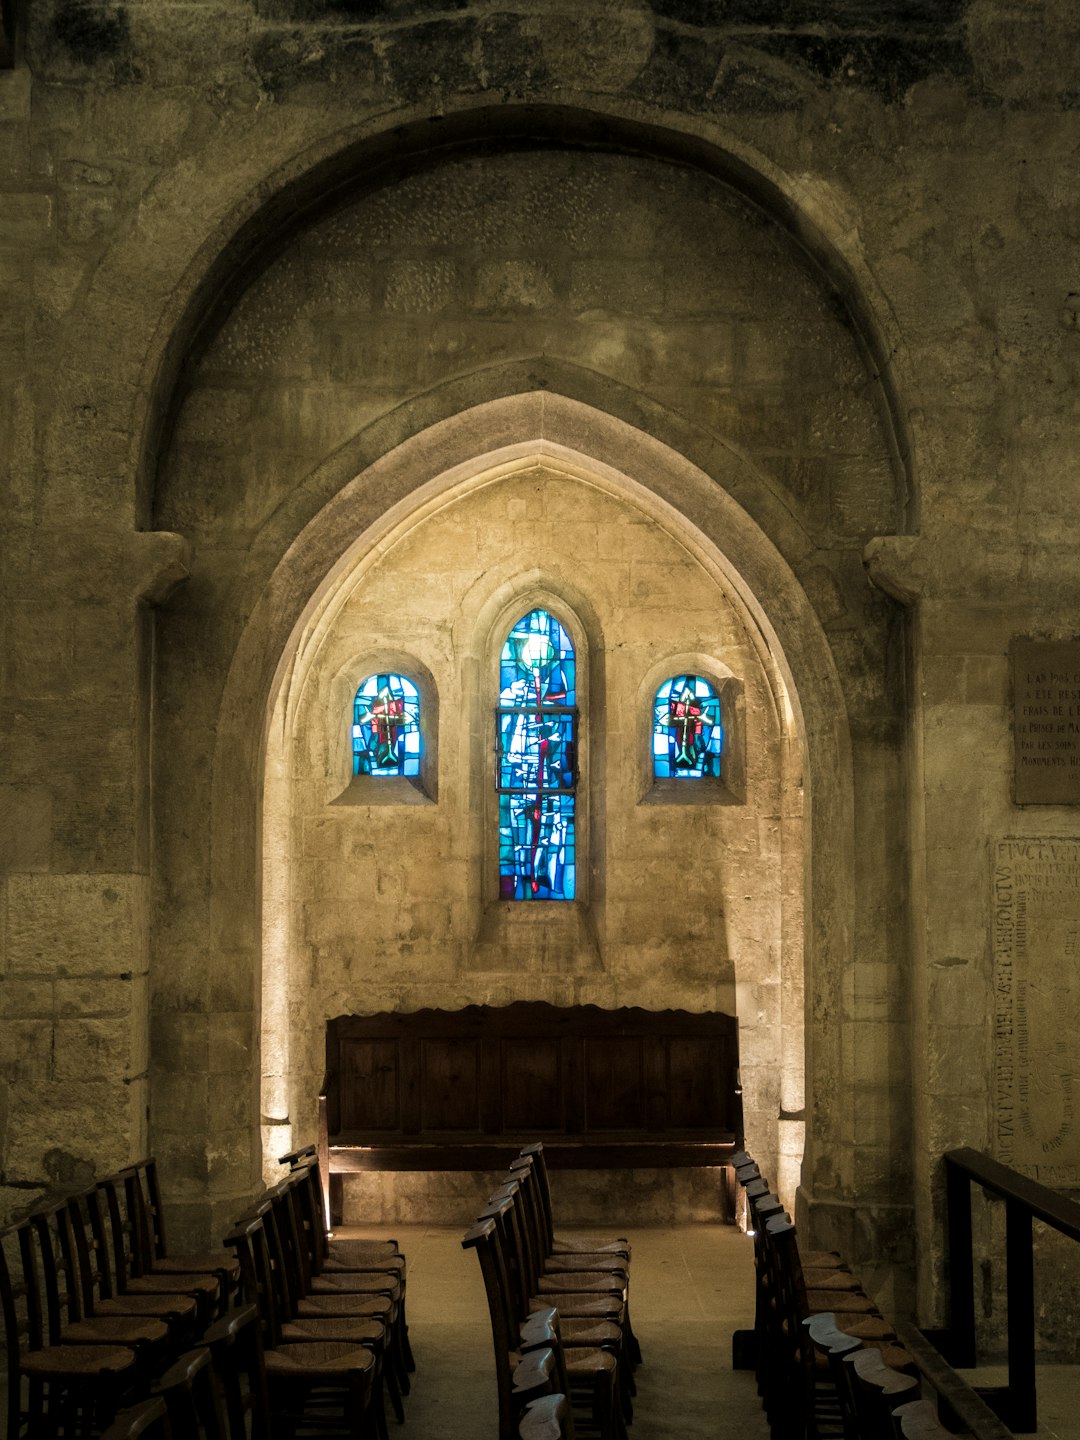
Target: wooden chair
[[585, 1367], [596, 1392], [148, 1421], [278, 1266], [561, 1255], [878, 1389], [547, 1418], [346, 1261], [53, 1390], [60, 1312], [556, 1244], [93, 1249], [830, 1346], [306, 1161], [352, 1298], [578, 1330], [308, 1379], [235, 1342], [192, 1397], [131, 1265], [150, 1224], [789, 1378]]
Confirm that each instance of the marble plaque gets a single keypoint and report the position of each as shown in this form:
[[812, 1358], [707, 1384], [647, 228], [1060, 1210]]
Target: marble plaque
[[1036, 934], [1046, 721]]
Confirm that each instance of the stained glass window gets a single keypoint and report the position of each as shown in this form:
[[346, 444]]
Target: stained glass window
[[688, 738], [386, 727], [536, 739]]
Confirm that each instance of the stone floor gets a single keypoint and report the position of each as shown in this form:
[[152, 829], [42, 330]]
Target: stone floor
[[693, 1285], [692, 1288]]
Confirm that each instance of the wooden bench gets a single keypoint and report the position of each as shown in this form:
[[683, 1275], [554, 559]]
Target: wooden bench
[[464, 1089]]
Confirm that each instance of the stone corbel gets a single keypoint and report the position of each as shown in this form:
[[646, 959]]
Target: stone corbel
[[899, 566], [157, 561]]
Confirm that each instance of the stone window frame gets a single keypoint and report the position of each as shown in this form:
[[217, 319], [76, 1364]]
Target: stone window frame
[[535, 598], [730, 787], [349, 789]]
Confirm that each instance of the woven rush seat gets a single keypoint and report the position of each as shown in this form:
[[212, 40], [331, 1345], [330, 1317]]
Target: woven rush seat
[[334, 1357], [64, 1360], [352, 1330]]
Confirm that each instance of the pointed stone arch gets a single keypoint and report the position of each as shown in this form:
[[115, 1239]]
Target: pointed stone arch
[[402, 484]]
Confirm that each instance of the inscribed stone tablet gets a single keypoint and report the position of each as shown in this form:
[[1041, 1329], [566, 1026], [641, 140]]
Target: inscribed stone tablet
[[1036, 922], [1046, 721]]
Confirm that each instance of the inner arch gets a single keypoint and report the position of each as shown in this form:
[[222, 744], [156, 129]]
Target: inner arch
[[685, 512]]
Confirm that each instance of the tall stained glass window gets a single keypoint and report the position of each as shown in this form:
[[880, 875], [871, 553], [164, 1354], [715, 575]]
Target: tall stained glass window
[[688, 738], [536, 737], [386, 727]]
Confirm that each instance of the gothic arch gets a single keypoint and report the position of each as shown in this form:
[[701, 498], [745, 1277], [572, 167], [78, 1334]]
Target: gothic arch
[[197, 287], [295, 606]]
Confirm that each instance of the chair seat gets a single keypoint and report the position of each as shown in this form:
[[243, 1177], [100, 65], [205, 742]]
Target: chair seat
[[593, 1244], [115, 1330], [581, 1306], [155, 1284], [350, 1259], [584, 1331], [842, 1301], [588, 1281], [598, 1264], [153, 1306], [867, 1328], [821, 1260], [353, 1330], [315, 1307], [319, 1357], [204, 1263], [86, 1361], [829, 1279], [357, 1283], [581, 1364]]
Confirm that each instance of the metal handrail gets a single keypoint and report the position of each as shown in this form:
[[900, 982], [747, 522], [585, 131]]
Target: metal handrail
[[1025, 1200]]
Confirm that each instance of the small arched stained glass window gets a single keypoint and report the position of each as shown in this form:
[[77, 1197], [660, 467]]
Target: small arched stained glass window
[[386, 727], [688, 737], [536, 738]]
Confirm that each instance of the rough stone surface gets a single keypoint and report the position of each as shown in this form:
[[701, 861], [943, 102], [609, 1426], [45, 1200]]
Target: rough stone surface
[[825, 253]]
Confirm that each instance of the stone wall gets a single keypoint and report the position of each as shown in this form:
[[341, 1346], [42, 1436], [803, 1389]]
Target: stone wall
[[385, 903], [249, 249]]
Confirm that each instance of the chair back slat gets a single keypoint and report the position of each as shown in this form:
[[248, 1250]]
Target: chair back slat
[[483, 1237], [535, 1152], [248, 1239], [152, 1218], [235, 1341], [192, 1396], [147, 1421], [91, 1232]]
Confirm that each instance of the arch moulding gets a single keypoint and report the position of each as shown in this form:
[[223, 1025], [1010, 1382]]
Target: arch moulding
[[421, 474]]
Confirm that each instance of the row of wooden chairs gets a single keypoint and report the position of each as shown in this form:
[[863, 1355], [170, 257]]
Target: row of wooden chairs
[[94, 1307], [107, 1333], [829, 1366], [559, 1313], [332, 1340]]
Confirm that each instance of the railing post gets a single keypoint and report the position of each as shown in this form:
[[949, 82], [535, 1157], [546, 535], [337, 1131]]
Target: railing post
[[961, 1267], [1020, 1299]]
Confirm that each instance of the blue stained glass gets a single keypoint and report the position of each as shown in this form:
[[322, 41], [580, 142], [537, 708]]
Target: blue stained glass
[[688, 737], [386, 727], [536, 735]]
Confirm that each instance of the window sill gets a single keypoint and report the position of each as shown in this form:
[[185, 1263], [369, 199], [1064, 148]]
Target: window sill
[[383, 790]]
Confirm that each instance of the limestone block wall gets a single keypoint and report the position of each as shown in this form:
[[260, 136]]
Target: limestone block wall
[[386, 905], [902, 247]]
